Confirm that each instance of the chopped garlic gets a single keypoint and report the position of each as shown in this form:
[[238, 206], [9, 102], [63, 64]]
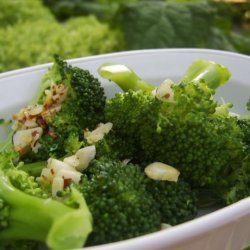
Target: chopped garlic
[[74, 176], [26, 117], [57, 185], [72, 160], [57, 165], [85, 156], [96, 135], [161, 171], [26, 138], [81, 159], [56, 172], [164, 92]]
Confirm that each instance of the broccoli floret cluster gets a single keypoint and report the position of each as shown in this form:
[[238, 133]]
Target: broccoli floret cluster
[[123, 155], [69, 100], [135, 204], [182, 125], [26, 216], [176, 201], [126, 119], [77, 37], [201, 147], [20, 244], [115, 192]]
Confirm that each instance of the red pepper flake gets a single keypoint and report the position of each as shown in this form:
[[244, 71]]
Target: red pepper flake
[[34, 133], [52, 134], [167, 96], [41, 122], [66, 182]]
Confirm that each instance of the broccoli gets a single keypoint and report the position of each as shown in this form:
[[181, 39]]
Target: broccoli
[[237, 181], [77, 37], [26, 216], [177, 202], [244, 124], [20, 244], [123, 140], [117, 198], [59, 127], [16, 11], [183, 126]]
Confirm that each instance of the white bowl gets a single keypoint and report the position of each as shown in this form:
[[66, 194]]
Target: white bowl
[[226, 228]]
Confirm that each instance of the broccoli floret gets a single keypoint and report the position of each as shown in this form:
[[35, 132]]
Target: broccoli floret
[[244, 124], [26, 216], [68, 101], [177, 202], [123, 140], [189, 132], [203, 148], [117, 198], [20, 244], [237, 185], [238, 182]]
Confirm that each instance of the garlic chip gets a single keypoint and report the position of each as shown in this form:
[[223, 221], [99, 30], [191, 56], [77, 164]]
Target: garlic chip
[[96, 135], [162, 172]]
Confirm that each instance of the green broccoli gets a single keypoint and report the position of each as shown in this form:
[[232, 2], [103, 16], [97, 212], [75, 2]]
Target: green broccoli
[[177, 202], [123, 141], [16, 11], [77, 37], [185, 127], [244, 124], [69, 100], [117, 198], [237, 181], [20, 244], [25, 216]]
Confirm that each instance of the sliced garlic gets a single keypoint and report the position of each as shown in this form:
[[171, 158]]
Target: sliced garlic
[[31, 123], [35, 147], [164, 92], [85, 156], [46, 176], [26, 138], [126, 161], [57, 185], [72, 160], [57, 165], [59, 169], [96, 135], [162, 172], [35, 110], [75, 176]]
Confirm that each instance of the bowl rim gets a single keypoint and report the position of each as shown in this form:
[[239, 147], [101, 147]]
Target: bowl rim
[[127, 54]]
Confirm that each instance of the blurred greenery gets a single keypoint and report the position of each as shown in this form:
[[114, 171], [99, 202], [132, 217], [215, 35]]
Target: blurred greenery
[[31, 31]]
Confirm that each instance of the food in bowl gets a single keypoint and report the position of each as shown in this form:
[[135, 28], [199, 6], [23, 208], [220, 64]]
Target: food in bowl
[[141, 159]]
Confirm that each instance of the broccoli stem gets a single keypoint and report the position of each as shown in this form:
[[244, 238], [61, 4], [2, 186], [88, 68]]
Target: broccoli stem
[[7, 143], [214, 74], [34, 168], [47, 220], [123, 76]]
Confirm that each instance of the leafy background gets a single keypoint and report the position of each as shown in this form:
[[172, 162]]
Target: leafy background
[[31, 31]]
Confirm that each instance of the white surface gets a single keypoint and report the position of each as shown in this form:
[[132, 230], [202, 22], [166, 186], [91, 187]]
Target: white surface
[[225, 229]]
